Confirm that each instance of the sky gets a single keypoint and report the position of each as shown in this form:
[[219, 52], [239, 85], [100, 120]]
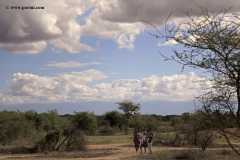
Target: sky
[[86, 55]]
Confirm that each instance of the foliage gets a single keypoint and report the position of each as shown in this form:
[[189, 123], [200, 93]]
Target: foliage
[[36, 133], [129, 108], [114, 119], [49, 142], [144, 122], [211, 42], [45, 131], [106, 130], [186, 129], [194, 131], [84, 121], [81, 122], [9, 127]]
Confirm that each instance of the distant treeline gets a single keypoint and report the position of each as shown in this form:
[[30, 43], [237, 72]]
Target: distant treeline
[[43, 132], [51, 131]]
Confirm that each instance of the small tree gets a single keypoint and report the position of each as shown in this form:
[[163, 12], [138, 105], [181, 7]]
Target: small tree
[[212, 42], [114, 118], [129, 108], [81, 124], [84, 121]]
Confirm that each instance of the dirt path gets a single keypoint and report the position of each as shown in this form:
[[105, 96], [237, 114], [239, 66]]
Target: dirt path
[[96, 152], [116, 151]]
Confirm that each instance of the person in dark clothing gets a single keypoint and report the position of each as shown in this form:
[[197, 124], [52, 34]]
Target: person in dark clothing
[[136, 141], [150, 137]]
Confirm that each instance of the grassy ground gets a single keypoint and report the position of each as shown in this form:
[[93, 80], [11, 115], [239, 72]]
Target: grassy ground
[[109, 139], [186, 153], [121, 147]]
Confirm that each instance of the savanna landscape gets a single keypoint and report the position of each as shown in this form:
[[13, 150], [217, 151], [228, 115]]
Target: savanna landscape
[[207, 41], [30, 135]]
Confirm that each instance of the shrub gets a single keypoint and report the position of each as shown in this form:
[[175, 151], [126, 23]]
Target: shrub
[[201, 138], [49, 142], [76, 142], [169, 139], [106, 130]]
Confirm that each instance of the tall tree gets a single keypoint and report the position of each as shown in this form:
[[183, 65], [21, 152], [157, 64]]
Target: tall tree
[[129, 108], [212, 42]]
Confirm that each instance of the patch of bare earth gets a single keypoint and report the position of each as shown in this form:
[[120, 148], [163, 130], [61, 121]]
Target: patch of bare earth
[[116, 151], [95, 152]]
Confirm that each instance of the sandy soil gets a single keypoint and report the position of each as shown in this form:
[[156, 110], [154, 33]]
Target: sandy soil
[[98, 152], [117, 151]]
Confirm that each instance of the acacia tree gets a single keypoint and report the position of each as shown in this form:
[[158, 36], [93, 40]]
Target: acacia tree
[[129, 108], [211, 41]]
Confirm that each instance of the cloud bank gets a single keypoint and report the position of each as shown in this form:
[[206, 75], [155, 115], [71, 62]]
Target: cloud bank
[[31, 31], [85, 86]]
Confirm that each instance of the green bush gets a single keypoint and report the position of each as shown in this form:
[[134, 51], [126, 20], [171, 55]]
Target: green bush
[[76, 141], [106, 130], [202, 139], [49, 142]]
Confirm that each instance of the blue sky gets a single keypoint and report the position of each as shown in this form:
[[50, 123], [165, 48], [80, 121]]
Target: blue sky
[[88, 55]]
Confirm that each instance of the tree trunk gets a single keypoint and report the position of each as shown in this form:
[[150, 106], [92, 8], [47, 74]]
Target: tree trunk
[[62, 143], [238, 107]]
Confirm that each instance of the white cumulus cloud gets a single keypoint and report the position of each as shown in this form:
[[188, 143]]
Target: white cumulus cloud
[[76, 86]]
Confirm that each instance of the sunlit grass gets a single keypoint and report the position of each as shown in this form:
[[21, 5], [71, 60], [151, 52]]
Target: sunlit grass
[[109, 139], [187, 154], [219, 150]]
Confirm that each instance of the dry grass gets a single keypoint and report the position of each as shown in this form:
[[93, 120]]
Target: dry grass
[[121, 147]]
